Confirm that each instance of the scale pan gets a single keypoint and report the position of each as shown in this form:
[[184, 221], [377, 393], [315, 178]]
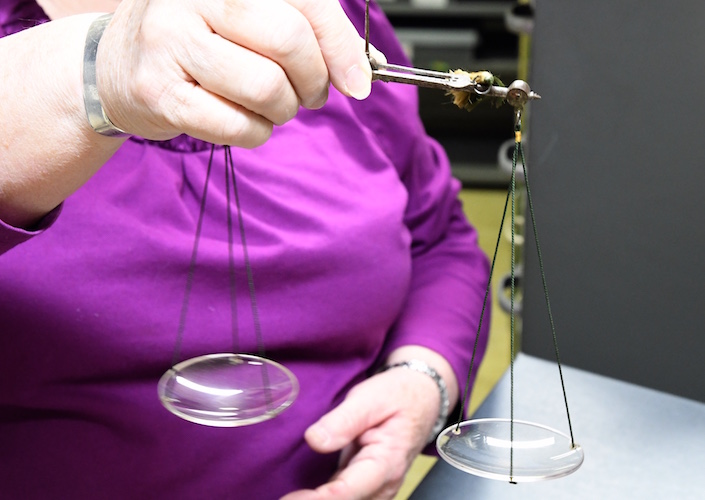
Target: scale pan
[[227, 390], [482, 447]]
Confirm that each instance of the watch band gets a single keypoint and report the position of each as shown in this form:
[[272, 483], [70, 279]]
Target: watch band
[[94, 109], [422, 367]]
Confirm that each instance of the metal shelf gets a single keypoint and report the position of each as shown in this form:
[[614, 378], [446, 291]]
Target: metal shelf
[[453, 9]]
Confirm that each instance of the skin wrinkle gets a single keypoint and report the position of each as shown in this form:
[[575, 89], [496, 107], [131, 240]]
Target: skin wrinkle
[[325, 33], [264, 86], [284, 44], [195, 64]]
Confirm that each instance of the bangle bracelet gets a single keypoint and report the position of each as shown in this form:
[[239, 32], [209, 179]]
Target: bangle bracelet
[[421, 367], [94, 109]]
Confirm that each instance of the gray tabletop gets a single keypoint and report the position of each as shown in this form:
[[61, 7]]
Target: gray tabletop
[[638, 443]]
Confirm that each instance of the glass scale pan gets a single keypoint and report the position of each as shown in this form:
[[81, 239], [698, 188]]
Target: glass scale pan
[[227, 390], [493, 448]]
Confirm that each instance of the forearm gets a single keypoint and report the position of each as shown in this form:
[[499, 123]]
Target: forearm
[[214, 70], [47, 148]]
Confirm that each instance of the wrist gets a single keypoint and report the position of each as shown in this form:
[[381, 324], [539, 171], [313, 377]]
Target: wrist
[[424, 368], [433, 359]]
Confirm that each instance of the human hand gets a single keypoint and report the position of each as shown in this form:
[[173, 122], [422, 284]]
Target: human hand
[[225, 71], [381, 427]]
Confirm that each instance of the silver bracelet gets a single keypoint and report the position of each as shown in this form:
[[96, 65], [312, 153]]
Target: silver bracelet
[[421, 367], [94, 109]]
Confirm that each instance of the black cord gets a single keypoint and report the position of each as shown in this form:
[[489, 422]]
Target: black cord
[[229, 164], [545, 293], [517, 146], [231, 261], [466, 392], [192, 267]]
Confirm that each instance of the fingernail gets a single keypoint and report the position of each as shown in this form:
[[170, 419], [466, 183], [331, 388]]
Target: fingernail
[[358, 82], [318, 101]]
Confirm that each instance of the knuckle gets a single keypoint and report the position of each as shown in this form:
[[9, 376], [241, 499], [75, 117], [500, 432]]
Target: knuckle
[[285, 41], [294, 45], [272, 94], [248, 133], [269, 87]]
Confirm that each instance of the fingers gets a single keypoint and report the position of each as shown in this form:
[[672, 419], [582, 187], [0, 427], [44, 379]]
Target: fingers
[[362, 479], [147, 91], [281, 33], [339, 427], [381, 426], [236, 124], [341, 46], [264, 89], [225, 71], [367, 411]]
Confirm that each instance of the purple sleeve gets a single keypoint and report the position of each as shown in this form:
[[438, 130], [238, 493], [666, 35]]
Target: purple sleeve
[[11, 236], [449, 270], [17, 15]]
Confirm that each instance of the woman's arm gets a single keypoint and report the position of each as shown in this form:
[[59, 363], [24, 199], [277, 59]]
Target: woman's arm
[[48, 149], [213, 70]]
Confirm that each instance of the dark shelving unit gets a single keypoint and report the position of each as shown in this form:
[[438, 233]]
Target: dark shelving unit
[[472, 36]]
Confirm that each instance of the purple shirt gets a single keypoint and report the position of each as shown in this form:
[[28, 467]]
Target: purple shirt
[[358, 245]]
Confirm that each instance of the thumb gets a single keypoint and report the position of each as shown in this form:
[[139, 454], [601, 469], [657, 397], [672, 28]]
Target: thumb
[[342, 48], [342, 425]]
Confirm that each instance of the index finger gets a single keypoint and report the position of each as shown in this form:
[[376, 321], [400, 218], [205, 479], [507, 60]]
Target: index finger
[[342, 47], [364, 408], [280, 32]]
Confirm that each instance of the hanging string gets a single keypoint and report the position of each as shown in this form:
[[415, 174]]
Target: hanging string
[[246, 256], [231, 259], [517, 145], [229, 174], [230, 165], [545, 291], [367, 28], [466, 392], [511, 193], [192, 267]]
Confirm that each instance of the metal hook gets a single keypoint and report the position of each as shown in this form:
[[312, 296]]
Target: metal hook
[[517, 94]]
